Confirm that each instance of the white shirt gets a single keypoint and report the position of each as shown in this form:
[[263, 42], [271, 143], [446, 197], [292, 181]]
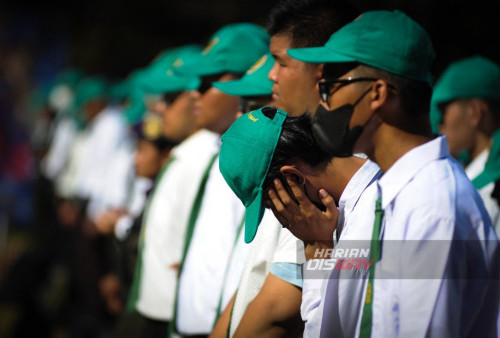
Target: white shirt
[[203, 275], [420, 287], [117, 183], [355, 224], [59, 152], [475, 168], [105, 134], [67, 183], [272, 244], [164, 224]]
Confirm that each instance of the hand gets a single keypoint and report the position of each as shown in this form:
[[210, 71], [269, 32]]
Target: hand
[[304, 220], [109, 287], [106, 222]]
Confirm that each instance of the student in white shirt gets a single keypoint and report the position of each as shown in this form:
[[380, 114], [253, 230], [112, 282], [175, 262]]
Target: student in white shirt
[[466, 108], [168, 208], [429, 220], [214, 253], [296, 157]]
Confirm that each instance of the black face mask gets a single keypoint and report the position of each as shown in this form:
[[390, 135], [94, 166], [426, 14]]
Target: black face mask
[[331, 129]]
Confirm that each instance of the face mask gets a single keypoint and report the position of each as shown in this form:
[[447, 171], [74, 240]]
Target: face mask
[[331, 129]]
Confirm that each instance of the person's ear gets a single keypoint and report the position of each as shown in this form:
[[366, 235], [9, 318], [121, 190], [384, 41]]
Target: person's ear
[[292, 173], [475, 112], [318, 74], [378, 95]]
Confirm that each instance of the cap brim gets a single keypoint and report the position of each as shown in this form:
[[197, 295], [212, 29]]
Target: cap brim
[[319, 55], [253, 216], [242, 88]]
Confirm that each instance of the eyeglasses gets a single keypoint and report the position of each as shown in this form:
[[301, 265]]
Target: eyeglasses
[[248, 105], [326, 88]]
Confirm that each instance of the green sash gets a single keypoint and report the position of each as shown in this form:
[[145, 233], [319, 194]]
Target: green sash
[[375, 252], [136, 284], [195, 211]]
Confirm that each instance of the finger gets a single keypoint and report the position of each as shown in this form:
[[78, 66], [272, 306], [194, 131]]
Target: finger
[[331, 209], [288, 202], [301, 198], [276, 202]]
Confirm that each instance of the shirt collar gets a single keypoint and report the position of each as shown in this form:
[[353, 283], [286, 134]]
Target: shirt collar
[[365, 175], [406, 167]]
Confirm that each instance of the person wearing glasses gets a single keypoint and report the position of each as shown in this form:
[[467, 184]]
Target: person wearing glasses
[[434, 251], [466, 108], [214, 252], [168, 207]]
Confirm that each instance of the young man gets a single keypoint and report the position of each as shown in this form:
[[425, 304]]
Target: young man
[[287, 152], [296, 24], [466, 108], [274, 253], [167, 210], [214, 252], [429, 220]]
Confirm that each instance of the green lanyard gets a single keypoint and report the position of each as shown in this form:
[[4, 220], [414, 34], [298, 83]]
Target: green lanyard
[[219, 305], [375, 252], [134, 290], [195, 211]]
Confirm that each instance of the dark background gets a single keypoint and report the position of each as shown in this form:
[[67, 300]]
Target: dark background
[[113, 37]]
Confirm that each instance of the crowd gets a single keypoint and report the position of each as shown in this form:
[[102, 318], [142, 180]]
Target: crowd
[[311, 178]]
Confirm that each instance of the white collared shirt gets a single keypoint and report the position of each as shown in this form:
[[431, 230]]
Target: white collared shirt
[[210, 253], [355, 224], [421, 286], [272, 244], [165, 220]]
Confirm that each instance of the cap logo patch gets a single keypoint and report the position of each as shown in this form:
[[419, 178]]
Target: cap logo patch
[[210, 45], [178, 63], [252, 118], [260, 62]]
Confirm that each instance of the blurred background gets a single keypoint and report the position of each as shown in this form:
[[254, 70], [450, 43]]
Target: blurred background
[[112, 38]]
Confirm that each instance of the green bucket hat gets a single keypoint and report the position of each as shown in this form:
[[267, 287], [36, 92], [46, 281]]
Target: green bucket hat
[[491, 172], [473, 77], [255, 81], [233, 48], [386, 40], [245, 156]]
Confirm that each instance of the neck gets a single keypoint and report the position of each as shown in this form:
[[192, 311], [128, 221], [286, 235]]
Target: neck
[[337, 174], [390, 144], [481, 142]]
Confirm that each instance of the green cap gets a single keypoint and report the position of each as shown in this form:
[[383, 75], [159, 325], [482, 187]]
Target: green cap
[[90, 88], [255, 81], [491, 172], [161, 77], [474, 77], [245, 156], [386, 40], [233, 48]]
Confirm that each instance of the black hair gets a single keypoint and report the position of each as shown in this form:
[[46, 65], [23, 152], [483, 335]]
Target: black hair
[[296, 142], [310, 23]]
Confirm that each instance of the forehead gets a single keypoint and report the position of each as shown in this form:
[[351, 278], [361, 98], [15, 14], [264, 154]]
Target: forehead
[[280, 43]]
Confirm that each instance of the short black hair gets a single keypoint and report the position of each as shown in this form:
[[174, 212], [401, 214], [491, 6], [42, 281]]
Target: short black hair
[[295, 142], [310, 23]]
